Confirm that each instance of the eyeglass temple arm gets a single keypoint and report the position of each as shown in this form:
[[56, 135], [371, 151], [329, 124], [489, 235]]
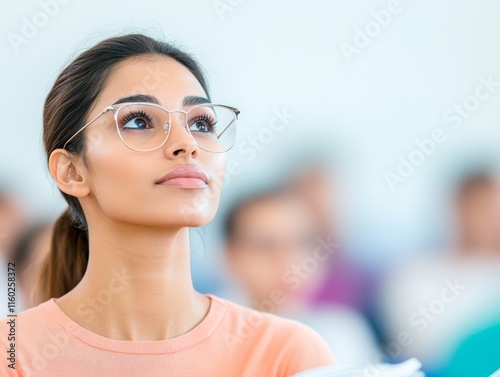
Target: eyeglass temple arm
[[237, 112], [88, 124], [225, 129]]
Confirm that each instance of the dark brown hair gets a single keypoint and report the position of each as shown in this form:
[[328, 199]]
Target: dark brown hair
[[65, 111]]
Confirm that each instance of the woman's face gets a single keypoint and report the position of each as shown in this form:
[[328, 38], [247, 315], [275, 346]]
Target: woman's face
[[123, 183]]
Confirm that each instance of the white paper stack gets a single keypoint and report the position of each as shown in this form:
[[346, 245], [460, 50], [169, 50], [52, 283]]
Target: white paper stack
[[409, 368]]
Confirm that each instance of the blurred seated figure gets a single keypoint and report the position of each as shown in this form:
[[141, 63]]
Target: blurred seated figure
[[346, 282], [276, 254], [12, 223], [29, 252], [441, 298]]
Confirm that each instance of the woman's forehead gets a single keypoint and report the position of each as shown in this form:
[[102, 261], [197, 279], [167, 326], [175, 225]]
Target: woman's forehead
[[159, 76]]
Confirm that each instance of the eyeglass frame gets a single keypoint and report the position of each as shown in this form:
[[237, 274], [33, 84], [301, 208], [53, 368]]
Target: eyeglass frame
[[116, 108]]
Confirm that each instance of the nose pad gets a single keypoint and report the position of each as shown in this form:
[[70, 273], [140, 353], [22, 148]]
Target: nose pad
[[182, 121], [176, 134], [166, 126]]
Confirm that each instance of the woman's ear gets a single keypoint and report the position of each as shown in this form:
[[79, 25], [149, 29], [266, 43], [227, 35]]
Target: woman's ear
[[67, 176]]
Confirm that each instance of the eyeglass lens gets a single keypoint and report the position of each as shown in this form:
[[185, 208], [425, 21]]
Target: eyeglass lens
[[145, 127]]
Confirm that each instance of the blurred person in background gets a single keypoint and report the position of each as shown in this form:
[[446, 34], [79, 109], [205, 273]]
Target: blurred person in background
[[13, 221], [346, 283], [277, 255], [478, 217], [30, 250], [478, 352], [444, 297]]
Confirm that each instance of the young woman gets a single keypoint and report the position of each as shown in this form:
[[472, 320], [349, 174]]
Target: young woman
[[136, 146]]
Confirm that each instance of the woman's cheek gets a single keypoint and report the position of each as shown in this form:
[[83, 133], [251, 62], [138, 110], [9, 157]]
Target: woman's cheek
[[219, 172], [115, 178]]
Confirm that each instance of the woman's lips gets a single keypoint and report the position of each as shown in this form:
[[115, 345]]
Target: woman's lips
[[184, 182], [186, 176]]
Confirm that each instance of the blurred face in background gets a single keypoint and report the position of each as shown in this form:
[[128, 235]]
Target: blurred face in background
[[12, 223], [272, 235], [479, 217], [316, 186]]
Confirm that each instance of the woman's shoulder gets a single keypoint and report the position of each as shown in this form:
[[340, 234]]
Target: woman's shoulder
[[32, 321], [237, 314], [32, 314], [294, 341], [23, 333]]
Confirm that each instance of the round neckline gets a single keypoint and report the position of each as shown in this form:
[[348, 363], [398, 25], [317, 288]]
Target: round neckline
[[197, 334]]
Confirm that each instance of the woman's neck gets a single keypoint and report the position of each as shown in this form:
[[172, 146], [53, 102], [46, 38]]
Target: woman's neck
[[137, 285]]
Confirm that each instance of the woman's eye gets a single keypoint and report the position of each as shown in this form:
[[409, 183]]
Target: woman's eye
[[202, 125], [135, 123]]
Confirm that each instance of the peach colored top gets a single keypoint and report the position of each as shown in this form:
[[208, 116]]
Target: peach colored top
[[230, 341]]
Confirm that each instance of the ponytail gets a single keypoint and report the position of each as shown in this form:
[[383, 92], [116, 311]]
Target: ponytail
[[64, 266]]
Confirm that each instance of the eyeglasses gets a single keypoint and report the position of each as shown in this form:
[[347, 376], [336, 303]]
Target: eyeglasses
[[144, 126]]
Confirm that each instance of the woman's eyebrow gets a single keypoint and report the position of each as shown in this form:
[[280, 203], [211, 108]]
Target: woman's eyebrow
[[188, 100], [138, 98], [194, 100]]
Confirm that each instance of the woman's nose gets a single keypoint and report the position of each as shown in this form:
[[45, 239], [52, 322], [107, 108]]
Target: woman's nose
[[179, 138]]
